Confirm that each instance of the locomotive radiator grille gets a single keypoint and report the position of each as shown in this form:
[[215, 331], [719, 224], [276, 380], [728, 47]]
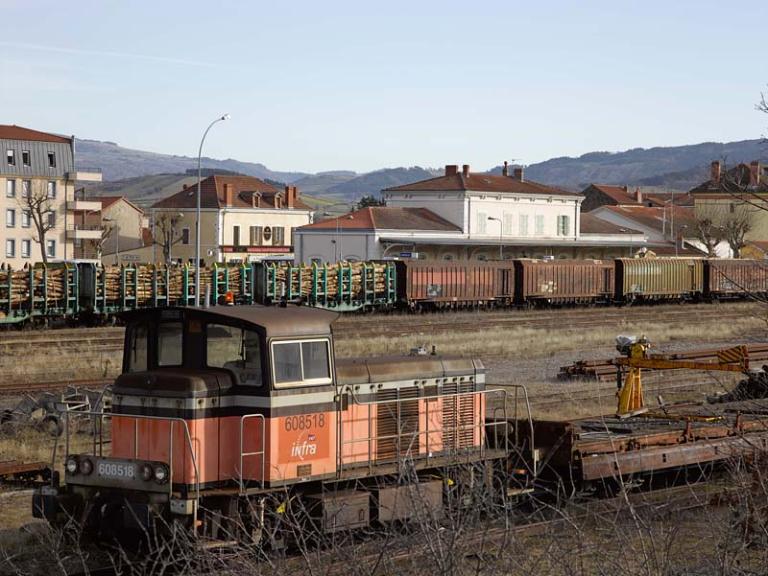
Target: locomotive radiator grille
[[458, 416], [397, 424]]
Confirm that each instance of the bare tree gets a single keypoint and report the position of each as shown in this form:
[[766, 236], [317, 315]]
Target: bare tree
[[710, 229], [737, 224], [166, 234], [39, 205], [98, 243]]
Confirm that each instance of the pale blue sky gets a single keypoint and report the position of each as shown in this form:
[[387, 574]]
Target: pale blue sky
[[361, 85]]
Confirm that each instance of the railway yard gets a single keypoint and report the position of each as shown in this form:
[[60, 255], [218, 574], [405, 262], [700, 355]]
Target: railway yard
[[561, 356]]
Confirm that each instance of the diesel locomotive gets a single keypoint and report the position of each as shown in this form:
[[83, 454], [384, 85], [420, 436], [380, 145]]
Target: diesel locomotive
[[223, 418]]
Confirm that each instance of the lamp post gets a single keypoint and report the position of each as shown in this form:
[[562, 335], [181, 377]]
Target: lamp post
[[683, 227], [337, 247], [501, 232], [197, 210]]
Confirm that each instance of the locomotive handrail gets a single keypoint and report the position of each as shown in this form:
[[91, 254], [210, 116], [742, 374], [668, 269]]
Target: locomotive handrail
[[256, 453], [101, 415], [517, 388], [480, 426]]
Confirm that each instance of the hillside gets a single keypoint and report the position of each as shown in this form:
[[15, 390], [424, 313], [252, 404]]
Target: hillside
[[118, 163], [146, 176], [681, 167]]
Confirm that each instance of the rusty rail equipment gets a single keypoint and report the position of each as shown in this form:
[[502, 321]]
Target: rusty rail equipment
[[636, 358]]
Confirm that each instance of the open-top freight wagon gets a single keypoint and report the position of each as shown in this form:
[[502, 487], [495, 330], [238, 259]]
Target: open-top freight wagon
[[564, 281]]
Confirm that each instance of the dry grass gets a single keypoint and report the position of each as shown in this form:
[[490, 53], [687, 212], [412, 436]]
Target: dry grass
[[527, 342]]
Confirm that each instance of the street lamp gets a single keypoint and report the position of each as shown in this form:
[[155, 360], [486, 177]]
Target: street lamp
[[197, 210], [679, 230], [501, 231], [335, 241]]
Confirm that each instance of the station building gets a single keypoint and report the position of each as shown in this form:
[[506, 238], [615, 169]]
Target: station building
[[463, 215]]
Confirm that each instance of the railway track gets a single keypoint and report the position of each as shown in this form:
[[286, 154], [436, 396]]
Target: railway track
[[21, 388], [382, 556]]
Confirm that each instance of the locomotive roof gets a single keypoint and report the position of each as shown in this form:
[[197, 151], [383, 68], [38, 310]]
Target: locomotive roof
[[277, 321]]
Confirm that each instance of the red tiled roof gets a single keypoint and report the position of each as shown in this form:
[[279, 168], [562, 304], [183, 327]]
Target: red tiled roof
[[734, 181], [479, 182], [13, 132], [681, 199], [107, 201], [590, 224], [387, 218], [212, 194], [653, 217], [617, 193]]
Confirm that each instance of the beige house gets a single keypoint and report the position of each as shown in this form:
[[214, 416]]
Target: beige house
[[37, 179], [739, 194], [242, 219]]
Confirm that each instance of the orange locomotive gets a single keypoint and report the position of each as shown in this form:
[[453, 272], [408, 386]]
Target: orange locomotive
[[223, 417]]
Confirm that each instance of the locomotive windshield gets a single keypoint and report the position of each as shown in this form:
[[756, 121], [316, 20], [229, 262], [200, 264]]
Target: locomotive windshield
[[137, 347], [235, 349], [301, 363]]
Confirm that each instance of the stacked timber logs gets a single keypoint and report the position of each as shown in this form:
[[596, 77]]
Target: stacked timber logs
[[140, 282], [350, 274], [46, 283]]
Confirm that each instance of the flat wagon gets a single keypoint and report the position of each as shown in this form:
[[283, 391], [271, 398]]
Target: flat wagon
[[564, 281], [455, 284], [727, 278], [659, 278]]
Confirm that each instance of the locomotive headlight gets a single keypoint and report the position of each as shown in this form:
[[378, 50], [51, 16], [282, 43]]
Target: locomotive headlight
[[161, 473], [146, 472], [86, 466], [71, 465]]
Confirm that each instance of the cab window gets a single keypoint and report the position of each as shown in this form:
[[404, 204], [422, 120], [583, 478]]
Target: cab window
[[234, 349], [137, 348], [301, 363], [169, 343]]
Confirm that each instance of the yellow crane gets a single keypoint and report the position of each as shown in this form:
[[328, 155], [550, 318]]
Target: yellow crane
[[636, 357]]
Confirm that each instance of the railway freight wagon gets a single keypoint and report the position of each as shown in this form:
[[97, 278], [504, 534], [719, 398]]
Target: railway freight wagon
[[436, 284], [735, 278], [563, 281], [42, 291], [342, 286], [107, 290], [659, 279]]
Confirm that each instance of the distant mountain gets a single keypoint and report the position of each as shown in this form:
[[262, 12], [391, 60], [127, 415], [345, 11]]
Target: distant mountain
[[680, 167], [118, 163], [146, 176], [374, 182]]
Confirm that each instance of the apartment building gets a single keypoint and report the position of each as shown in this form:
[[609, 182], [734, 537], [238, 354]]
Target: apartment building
[[37, 196]]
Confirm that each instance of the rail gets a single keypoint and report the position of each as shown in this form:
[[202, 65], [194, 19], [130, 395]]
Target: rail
[[241, 480], [98, 427], [478, 425]]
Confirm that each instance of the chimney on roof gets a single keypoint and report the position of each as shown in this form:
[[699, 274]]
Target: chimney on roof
[[755, 171], [714, 172], [465, 170], [288, 198], [505, 170], [519, 174], [229, 194], [451, 169]]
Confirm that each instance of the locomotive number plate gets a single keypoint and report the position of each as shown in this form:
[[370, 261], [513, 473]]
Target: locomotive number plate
[[116, 470]]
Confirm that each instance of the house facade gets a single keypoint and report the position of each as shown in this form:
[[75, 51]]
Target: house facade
[[38, 179], [463, 216], [242, 219]]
